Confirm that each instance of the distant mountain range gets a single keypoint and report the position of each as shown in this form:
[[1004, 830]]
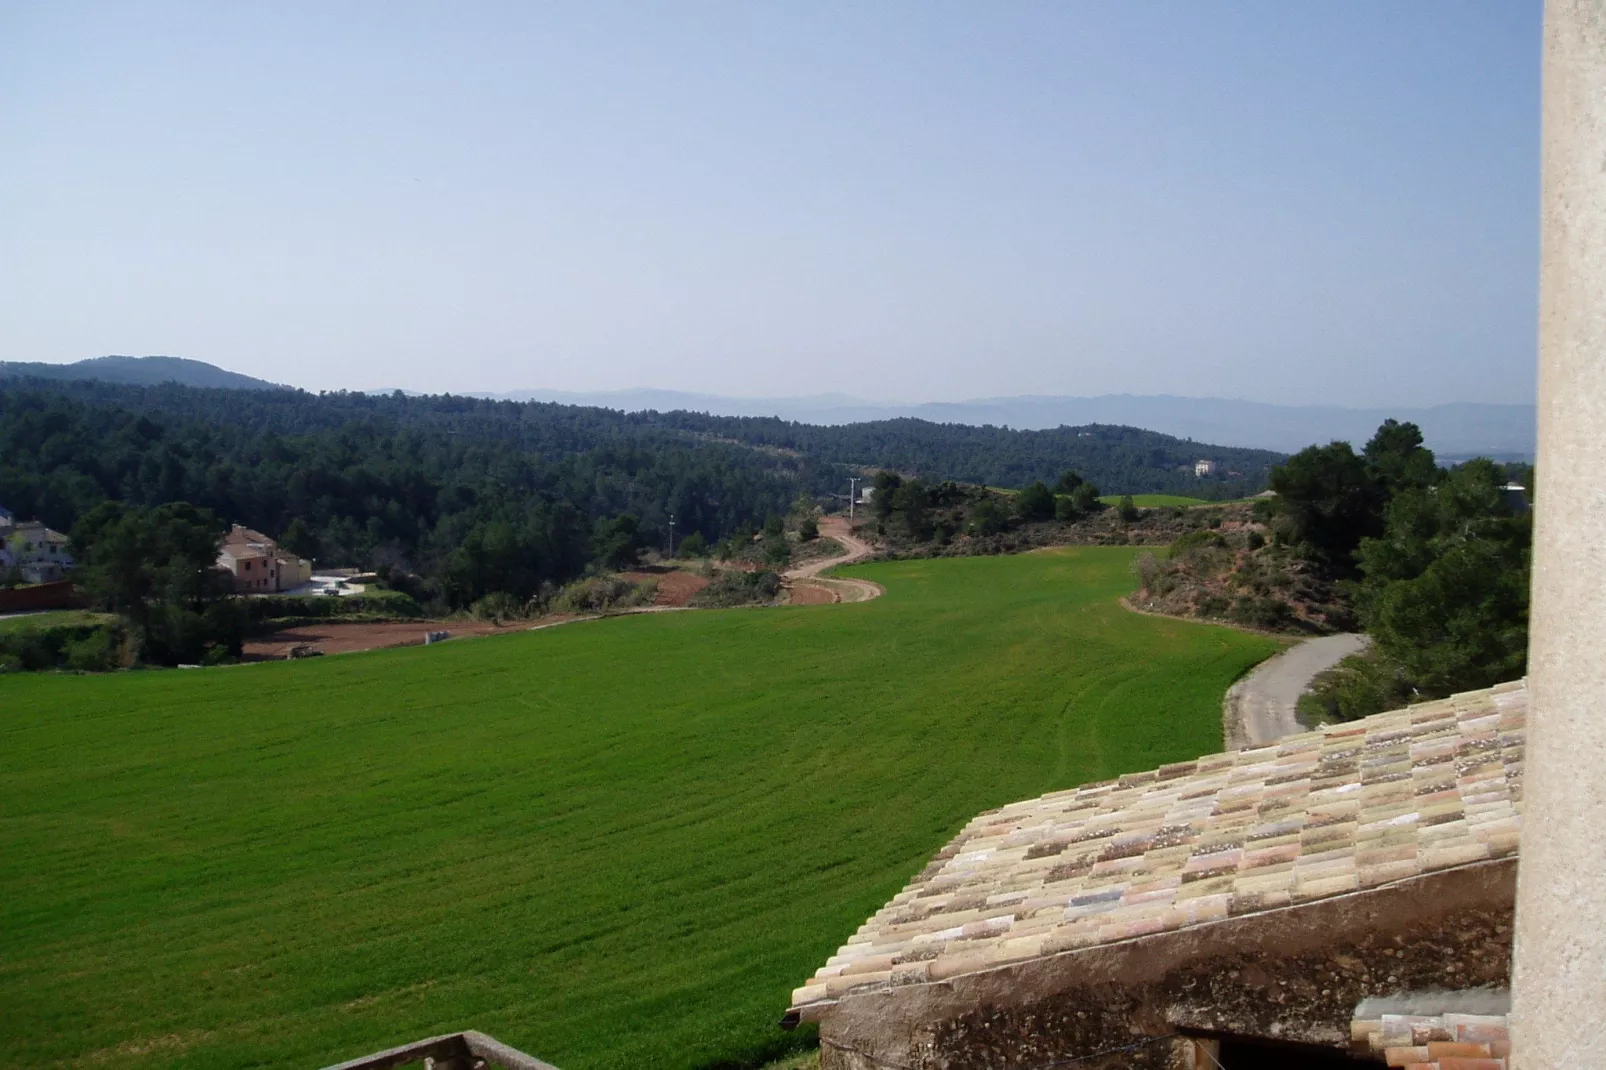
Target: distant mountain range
[[1454, 431], [139, 371]]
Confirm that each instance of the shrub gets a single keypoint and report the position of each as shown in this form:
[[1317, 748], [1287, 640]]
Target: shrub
[[1149, 572], [736, 588], [1359, 686], [1195, 540], [93, 653], [1255, 540], [497, 606], [600, 593], [808, 529], [694, 545], [777, 551], [1127, 510], [988, 518], [1035, 502], [1268, 613]]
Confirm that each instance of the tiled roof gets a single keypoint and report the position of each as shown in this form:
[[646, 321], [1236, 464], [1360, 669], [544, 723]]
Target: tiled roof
[[1436, 1042], [1323, 813]]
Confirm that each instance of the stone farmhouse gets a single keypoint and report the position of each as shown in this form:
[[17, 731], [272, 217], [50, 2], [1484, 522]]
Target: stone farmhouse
[[258, 565]]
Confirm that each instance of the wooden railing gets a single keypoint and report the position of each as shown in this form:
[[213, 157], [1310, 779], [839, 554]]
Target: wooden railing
[[454, 1051]]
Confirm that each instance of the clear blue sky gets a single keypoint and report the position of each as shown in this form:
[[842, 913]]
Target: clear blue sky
[[1307, 202]]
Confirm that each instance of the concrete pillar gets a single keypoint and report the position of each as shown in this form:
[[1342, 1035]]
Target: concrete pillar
[[1559, 998]]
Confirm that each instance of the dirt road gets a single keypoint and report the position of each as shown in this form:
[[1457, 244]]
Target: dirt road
[[1260, 708], [810, 588]]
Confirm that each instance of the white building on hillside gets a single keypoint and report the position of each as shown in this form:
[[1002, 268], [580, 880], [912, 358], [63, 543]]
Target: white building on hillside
[[1204, 468], [42, 555]]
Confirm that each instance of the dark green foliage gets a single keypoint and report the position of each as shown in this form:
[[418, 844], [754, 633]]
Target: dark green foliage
[[351, 479], [618, 543], [1359, 686], [1329, 502], [884, 486], [774, 525], [808, 529], [1195, 540], [1035, 502], [910, 504], [693, 545], [1127, 458], [987, 517], [82, 645], [734, 587], [776, 550], [1084, 499], [1068, 482], [157, 567], [1261, 611], [1444, 592], [1127, 510], [1397, 459]]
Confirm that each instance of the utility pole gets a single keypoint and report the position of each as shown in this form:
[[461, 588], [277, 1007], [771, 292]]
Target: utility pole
[[671, 534], [853, 494]]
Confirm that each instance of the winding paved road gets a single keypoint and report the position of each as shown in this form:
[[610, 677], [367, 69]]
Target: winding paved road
[[1260, 708]]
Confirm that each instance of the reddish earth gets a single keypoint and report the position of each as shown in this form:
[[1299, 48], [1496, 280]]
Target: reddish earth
[[344, 637], [810, 593], [675, 588]]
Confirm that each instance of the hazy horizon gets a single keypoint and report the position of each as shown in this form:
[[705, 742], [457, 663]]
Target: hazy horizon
[[906, 204]]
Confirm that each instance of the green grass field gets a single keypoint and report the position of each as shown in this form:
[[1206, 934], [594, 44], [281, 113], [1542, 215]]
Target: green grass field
[[55, 618], [1156, 501], [613, 844]]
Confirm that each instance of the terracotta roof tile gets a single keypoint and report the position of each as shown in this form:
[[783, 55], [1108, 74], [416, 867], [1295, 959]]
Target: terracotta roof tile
[[1318, 814]]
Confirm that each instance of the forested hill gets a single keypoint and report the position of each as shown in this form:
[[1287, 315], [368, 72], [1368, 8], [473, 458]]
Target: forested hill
[[1123, 460], [480, 496], [138, 371], [1117, 459]]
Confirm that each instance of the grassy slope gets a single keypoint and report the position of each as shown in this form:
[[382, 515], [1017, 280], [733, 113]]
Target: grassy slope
[[1156, 501], [55, 618], [617, 844]]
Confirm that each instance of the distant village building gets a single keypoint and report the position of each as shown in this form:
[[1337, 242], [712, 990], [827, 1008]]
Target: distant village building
[[258, 565], [40, 554], [1204, 468], [1345, 892]]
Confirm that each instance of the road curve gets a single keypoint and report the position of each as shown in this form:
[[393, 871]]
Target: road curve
[[841, 590], [1260, 708]]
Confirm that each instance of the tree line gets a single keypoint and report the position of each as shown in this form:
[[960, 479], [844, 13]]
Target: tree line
[[1437, 562], [1128, 460]]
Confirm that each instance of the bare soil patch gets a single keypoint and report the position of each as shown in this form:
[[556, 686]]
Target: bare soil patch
[[345, 637], [810, 593], [675, 588]]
